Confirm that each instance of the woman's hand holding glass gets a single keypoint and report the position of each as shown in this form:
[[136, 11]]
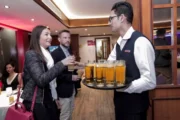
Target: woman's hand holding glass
[[68, 60]]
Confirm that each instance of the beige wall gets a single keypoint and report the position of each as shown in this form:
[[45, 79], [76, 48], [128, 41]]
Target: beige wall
[[88, 52]]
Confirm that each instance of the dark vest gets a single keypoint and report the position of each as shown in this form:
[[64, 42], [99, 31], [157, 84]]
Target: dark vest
[[130, 103]]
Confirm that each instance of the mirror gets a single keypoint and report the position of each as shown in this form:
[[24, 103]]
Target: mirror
[[102, 48]]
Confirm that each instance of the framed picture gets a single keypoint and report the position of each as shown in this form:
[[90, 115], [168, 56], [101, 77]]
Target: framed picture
[[102, 48]]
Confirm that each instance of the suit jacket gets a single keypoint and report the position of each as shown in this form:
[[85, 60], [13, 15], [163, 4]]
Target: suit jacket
[[65, 85], [35, 74]]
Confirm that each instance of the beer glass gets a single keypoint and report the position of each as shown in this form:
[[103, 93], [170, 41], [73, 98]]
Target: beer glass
[[103, 65], [104, 70], [71, 67], [110, 74], [99, 74], [89, 73], [11, 99], [80, 72], [120, 69]]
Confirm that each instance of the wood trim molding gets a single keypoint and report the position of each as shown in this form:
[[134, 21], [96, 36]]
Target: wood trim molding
[[164, 47], [167, 98], [89, 22], [146, 7], [165, 25], [97, 35], [163, 6], [65, 22], [98, 22]]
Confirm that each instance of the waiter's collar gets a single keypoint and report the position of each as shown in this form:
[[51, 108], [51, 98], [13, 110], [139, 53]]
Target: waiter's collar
[[127, 35]]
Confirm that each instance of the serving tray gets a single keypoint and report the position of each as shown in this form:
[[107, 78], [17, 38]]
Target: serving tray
[[103, 86]]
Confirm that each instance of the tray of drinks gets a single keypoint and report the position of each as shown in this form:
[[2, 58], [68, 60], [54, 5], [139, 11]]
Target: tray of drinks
[[105, 75], [102, 85]]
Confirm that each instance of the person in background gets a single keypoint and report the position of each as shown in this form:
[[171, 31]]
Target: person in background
[[160, 38], [10, 77], [39, 71], [65, 84], [163, 58], [132, 102]]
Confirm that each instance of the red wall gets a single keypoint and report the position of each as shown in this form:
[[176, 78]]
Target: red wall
[[22, 46]]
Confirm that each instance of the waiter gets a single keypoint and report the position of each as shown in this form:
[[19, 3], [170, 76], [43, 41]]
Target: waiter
[[132, 46]]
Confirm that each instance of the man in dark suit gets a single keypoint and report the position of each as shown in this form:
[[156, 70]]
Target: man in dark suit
[[65, 87]]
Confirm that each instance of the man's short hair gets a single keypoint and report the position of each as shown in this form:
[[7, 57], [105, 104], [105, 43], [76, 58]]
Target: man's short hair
[[161, 32], [62, 31], [124, 8]]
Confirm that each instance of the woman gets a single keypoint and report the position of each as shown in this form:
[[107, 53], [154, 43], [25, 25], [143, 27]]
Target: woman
[[39, 70], [10, 77]]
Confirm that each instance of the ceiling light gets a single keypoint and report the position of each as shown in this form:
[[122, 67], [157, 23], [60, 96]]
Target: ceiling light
[[32, 19], [104, 33], [85, 29], [6, 6], [88, 34], [56, 31]]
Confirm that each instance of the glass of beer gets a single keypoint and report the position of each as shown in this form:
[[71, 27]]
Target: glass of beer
[[71, 67], [99, 74], [104, 70], [80, 72], [120, 70], [89, 73], [11, 99], [110, 73]]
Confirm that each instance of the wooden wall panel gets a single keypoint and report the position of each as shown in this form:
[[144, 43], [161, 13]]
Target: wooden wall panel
[[166, 109], [75, 45], [88, 22], [137, 14], [146, 18]]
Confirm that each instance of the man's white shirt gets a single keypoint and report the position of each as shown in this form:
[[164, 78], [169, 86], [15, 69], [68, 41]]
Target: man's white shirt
[[144, 57]]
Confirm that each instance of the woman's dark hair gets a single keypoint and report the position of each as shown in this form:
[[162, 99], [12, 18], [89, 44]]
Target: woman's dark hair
[[5, 73], [35, 37], [124, 8]]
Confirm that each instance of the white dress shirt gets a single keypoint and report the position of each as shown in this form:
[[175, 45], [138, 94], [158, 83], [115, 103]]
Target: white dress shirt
[[144, 57]]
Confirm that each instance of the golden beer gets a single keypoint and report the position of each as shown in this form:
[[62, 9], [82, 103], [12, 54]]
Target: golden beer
[[94, 74], [11, 99], [120, 70], [110, 74], [99, 75], [89, 71], [71, 67], [104, 72]]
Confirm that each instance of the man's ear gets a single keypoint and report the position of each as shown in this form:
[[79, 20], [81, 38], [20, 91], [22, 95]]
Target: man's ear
[[59, 39], [122, 17]]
